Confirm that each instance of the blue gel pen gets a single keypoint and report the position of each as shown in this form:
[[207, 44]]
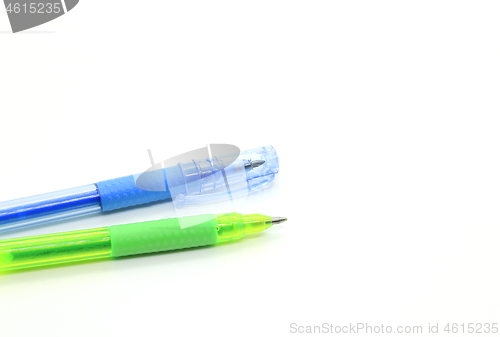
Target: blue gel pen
[[188, 183]]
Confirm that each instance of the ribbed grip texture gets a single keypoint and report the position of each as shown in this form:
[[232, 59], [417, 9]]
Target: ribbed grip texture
[[162, 235], [123, 192]]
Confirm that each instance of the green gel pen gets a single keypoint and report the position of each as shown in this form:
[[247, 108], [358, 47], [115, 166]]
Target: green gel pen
[[129, 239]]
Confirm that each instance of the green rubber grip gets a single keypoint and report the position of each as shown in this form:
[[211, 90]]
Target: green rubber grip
[[162, 235]]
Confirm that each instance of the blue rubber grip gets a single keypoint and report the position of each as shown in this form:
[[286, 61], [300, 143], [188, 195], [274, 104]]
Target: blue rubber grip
[[123, 192]]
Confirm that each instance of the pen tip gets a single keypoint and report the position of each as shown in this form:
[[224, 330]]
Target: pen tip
[[253, 164], [278, 219]]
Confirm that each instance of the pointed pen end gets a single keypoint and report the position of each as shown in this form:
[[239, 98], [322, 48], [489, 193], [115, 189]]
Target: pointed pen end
[[278, 219]]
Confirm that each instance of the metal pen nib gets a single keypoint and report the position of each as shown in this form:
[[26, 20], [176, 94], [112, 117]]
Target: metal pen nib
[[254, 163], [278, 219]]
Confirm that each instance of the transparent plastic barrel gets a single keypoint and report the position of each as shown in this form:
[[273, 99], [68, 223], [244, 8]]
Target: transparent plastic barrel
[[49, 207]]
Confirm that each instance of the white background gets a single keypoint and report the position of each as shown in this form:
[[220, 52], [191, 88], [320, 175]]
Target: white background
[[385, 115]]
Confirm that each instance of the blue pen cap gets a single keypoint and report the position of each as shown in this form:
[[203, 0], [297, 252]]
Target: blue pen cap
[[205, 185]]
